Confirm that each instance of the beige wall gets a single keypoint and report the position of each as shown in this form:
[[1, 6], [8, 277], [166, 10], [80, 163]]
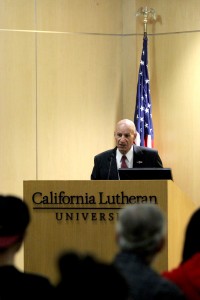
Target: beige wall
[[69, 71], [174, 47]]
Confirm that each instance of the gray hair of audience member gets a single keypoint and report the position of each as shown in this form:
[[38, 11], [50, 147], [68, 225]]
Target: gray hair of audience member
[[141, 228]]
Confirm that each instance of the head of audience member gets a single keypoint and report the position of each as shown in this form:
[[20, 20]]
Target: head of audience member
[[192, 241], [141, 228], [83, 276], [125, 134], [14, 220]]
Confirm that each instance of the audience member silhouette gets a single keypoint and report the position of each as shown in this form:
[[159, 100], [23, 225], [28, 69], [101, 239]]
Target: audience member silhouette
[[187, 274], [84, 277], [141, 233], [14, 220]]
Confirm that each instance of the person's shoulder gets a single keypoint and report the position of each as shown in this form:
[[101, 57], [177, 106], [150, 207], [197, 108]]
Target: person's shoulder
[[106, 153], [16, 283], [169, 289], [191, 267], [31, 280], [144, 149]]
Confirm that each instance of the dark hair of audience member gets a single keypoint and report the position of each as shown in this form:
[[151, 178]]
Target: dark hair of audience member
[[192, 242]]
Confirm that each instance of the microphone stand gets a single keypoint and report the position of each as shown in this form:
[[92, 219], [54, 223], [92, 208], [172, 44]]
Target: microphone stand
[[111, 159]]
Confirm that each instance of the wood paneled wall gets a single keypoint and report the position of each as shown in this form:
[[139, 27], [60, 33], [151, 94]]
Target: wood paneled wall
[[69, 71], [173, 54]]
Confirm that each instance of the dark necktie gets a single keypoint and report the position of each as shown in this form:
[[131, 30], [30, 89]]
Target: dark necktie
[[123, 162]]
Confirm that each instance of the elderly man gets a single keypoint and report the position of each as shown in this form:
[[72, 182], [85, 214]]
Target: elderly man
[[125, 155]]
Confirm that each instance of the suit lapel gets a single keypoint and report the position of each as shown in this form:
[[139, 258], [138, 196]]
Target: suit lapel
[[137, 157], [114, 171]]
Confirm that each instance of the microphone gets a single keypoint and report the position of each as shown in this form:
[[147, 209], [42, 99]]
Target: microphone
[[111, 159]]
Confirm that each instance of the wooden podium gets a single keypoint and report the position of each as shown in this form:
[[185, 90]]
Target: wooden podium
[[80, 215]]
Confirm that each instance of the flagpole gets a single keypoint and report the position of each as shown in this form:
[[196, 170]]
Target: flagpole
[[143, 108], [147, 14]]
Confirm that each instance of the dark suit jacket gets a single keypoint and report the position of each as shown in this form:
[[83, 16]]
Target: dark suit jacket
[[144, 282], [105, 165]]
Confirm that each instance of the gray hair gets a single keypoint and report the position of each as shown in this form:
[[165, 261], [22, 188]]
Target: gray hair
[[141, 228]]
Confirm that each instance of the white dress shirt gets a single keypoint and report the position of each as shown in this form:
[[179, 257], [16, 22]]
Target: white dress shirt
[[129, 158]]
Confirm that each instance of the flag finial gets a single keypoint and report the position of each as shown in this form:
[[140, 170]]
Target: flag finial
[[146, 13]]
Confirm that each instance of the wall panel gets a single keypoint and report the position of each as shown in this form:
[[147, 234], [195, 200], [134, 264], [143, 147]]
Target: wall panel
[[17, 15], [69, 71], [88, 16], [79, 101], [175, 93]]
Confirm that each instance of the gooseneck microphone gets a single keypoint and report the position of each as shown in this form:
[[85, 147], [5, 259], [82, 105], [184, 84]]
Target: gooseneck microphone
[[111, 159]]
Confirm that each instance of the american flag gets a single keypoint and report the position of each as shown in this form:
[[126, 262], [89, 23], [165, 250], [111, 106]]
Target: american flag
[[143, 109]]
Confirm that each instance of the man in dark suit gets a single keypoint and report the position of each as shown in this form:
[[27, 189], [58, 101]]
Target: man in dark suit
[[107, 163]]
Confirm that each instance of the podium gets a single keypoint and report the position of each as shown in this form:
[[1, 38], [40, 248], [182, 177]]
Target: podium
[[80, 216]]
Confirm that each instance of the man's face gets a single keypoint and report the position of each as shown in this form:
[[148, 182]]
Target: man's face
[[124, 137]]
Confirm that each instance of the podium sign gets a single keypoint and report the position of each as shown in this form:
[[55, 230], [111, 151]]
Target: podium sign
[[80, 215]]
